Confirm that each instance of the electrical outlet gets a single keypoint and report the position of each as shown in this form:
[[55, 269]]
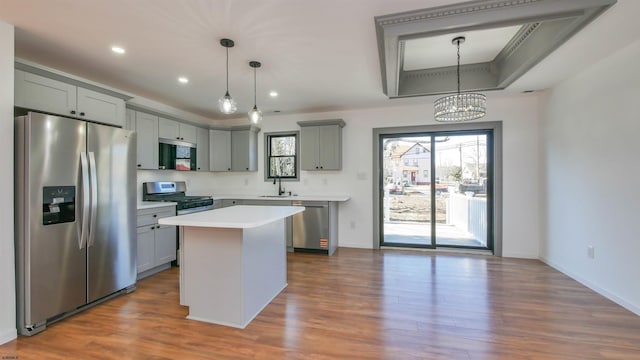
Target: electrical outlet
[[591, 252]]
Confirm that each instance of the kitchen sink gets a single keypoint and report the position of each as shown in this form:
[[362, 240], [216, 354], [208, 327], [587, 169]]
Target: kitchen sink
[[274, 196]]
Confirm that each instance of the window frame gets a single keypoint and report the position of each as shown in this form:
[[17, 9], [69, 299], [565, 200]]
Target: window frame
[[267, 155]]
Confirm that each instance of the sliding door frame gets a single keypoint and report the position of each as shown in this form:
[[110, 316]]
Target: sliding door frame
[[495, 149]]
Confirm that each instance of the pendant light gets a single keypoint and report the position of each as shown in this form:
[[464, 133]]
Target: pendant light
[[255, 115], [226, 103], [461, 106]]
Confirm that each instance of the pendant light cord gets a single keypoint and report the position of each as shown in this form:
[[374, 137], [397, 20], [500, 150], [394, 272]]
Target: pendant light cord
[[255, 88], [228, 69], [458, 68]]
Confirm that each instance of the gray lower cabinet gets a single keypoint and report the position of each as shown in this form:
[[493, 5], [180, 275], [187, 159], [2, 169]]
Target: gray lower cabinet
[[156, 244]]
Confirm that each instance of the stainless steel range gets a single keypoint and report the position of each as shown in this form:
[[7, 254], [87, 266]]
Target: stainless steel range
[[175, 191]]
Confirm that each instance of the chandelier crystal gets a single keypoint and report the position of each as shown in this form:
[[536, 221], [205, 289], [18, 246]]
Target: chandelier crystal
[[226, 103], [461, 106]]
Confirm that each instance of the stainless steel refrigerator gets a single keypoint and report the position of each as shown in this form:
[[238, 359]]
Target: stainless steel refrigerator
[[75, 216]]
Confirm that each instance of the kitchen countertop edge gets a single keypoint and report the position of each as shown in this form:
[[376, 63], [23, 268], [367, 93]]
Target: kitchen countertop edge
[[336, 198]]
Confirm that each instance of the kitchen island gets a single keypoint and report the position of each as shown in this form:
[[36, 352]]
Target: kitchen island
[[232, 261]]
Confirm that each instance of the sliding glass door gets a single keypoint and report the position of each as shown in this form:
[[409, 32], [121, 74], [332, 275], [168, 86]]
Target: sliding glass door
[[436, 189]]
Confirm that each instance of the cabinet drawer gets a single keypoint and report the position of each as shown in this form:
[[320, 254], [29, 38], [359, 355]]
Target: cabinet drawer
[[151, 216]]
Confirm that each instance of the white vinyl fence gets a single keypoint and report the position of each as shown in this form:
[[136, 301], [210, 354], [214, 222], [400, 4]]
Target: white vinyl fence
[[468, 214]]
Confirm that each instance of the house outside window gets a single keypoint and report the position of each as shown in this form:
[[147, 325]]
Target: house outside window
[[281, 155]]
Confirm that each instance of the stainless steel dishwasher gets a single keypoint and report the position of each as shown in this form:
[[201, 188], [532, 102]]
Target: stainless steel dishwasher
[[311, 227]]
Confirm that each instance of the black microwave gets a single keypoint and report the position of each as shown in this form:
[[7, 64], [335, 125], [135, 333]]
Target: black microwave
[[176, 155]]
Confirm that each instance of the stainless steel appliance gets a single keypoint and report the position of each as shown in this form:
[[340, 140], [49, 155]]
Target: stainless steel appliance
[[75, 216], [311, 227], [176, 155], [175, 191]]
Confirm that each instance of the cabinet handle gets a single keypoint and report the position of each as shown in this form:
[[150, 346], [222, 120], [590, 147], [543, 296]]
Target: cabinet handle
[[155, 215], [228, 169], [247, 168], [82, 113], [321, 167], [139, 165], [73, 112], [152, 227], [316, 167], [178, 138], [198, 168]]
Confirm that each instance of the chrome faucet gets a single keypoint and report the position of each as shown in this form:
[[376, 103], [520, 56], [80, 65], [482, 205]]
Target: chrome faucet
[[280, 188]]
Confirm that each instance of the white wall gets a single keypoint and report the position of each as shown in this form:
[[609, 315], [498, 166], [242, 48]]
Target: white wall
[[520, 168], [7, 268], [591, 169]]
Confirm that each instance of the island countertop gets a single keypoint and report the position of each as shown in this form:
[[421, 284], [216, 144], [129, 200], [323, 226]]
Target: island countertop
[[234, 217], [336, 198]]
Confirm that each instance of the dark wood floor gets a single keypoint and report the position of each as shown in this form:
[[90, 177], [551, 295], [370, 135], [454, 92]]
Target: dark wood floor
[[363, 304]]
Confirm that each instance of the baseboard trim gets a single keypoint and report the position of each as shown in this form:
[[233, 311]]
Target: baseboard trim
[[609, 295], [519, 255], [8, 335]]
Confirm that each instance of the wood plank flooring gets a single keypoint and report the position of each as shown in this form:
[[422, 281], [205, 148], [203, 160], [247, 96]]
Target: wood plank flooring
[[363, 304]]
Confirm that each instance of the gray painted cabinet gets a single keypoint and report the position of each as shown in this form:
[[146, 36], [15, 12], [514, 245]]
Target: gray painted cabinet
[[321, 145], [219, 150], [146, 126], [38, 92], [244, 150], [156, 244], [202, 149], [170, 129]]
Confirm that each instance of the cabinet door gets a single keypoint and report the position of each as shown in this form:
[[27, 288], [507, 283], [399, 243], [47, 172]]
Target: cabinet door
[[219, 150], [100, 107], [40, 93], [329, 147], [146, 248], [188, 133], [168, 129], [130, 124], [147, 129], [202, 150], [240, 150], [166, 246], [309, 148]]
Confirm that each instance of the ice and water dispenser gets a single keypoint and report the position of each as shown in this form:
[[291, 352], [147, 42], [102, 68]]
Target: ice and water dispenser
[[58, 204]]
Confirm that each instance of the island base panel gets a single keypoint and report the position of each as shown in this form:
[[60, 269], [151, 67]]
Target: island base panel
[[230, 275]]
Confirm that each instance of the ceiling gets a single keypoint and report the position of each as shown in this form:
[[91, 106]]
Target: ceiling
[[318, 55]]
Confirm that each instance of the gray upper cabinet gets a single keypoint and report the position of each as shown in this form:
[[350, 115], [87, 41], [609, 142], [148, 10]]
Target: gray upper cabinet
[[244, 149], [146, 126], [170, 129], [202, 149], [219, 150], [321, 145], [37, 92]]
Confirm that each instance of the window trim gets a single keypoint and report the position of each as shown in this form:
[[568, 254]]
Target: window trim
[[267, 141]]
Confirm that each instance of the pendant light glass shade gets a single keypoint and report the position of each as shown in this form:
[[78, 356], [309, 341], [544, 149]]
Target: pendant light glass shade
[[461, 106], [255, 115], [226, 103]]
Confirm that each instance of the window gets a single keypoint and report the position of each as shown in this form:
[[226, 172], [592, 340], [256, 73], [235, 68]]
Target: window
[[281, 155]]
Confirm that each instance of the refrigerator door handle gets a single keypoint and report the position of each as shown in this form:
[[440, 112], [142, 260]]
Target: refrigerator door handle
[[84, 168], [94, 197]]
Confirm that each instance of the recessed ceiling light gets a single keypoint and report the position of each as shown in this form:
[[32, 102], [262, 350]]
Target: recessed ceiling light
[[183, 79], [273, 94], [117, 49]]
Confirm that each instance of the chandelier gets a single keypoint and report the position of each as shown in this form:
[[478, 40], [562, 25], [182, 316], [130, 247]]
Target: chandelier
[[461, 106]]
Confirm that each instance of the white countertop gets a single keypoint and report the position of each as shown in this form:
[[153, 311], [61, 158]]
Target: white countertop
[[235, 217], [154, 204], [337, 198]]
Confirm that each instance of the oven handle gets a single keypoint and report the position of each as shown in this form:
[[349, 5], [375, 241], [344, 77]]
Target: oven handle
[[84, 169], [194, 210], [94, 198]]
